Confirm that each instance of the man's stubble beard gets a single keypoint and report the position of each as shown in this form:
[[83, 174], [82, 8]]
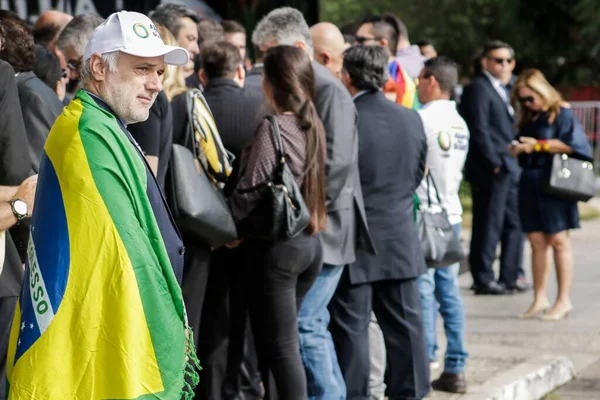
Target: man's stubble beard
[[119, 101]]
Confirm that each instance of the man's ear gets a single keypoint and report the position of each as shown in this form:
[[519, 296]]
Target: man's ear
[[346, 80], [202, 77], [385, 44], [97, 67], [326, 57], [300, 44], [433, 82], [484, 62], [240, 73]]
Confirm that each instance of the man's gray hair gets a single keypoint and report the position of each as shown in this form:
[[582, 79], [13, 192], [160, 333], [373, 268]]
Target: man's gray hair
[[284, 25], [78, 32], [111, 60]]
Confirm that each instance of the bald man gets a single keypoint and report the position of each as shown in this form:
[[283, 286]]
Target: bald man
[[48, 26], [46, 30], [329, 46]]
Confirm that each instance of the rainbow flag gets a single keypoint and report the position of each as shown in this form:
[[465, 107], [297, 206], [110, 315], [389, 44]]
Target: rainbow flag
[[100, 315], [406, 89]]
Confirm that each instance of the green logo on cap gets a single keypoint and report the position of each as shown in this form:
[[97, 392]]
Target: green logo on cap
[[141, 31]]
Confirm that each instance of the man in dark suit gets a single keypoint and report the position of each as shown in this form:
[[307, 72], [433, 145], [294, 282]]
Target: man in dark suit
[[234, 107], [493, 174], [221, 345], [15, 167], [392, 155], [39, 104], [253, 81], [346, 221]]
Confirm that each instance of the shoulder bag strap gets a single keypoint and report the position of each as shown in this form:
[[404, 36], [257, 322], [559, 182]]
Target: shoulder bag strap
[[278, 140], [437, 193], [189, 102], [280, 156], [427, 187]]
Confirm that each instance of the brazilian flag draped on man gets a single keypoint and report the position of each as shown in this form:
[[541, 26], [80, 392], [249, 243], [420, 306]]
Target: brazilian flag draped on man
[[101, 314]]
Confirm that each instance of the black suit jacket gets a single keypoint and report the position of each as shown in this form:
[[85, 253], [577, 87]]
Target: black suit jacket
[[15, 167], [235, 111], [392, 156], [253, 81], [40, 107], [492, 129], [347, 227]]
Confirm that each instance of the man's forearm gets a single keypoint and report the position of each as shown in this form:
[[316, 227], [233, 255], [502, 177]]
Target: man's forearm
[[7, 193], [7, 217]]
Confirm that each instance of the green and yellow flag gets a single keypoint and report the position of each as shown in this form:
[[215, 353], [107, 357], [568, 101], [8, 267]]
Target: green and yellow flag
[[101, 314]]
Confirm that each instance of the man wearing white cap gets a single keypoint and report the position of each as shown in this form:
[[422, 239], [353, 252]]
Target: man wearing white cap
[[101, 313], [123, 62]]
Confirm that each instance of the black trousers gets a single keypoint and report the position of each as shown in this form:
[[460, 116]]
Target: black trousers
[[496, 219], [397, 306], [229, 365], [282, 275], [196, 267], [7, 311], [214, 328]]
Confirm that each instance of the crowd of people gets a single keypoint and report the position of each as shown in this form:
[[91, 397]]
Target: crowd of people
[[359, 130]]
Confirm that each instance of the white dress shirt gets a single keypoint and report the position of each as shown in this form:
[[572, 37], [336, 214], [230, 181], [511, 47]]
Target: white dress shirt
[[501, 90]]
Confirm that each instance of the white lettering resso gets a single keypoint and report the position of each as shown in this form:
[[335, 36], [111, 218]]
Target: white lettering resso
[[37, 288]]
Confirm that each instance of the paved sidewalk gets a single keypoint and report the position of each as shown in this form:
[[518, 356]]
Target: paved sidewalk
[[526, 359], [586, 386]]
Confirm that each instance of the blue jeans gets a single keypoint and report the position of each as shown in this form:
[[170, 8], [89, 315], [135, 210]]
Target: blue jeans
[[439, 286], [323, 375]]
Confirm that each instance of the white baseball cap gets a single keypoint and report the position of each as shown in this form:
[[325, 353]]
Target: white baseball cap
[[135, 34]]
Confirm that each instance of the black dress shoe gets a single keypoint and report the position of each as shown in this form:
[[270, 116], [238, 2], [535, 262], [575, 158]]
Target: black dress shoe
[[492, 288], [520, 285], [452, 383]]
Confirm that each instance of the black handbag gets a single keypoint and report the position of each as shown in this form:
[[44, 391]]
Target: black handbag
[[571, 179], [281, 213], [197, 204], [441, 246]]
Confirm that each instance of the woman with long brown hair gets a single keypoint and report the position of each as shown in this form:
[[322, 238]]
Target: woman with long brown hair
[[282, 272], [547, 126]]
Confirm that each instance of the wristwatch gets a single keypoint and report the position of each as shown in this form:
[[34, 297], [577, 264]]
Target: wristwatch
[[19, 208]]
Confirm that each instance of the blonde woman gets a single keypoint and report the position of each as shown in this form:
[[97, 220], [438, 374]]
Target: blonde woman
[[546, 125], [172, 80]]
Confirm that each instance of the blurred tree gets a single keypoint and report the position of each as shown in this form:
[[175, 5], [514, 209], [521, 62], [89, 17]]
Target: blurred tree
[[560, 37]]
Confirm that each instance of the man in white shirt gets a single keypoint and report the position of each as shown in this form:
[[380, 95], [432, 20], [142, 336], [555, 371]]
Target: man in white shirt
[[447, 142]]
